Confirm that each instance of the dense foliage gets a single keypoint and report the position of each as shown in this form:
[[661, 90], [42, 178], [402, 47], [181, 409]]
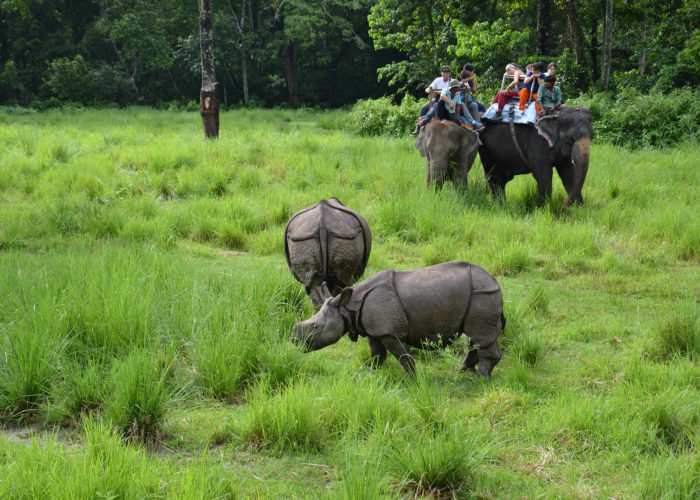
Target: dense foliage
[[328, 52]]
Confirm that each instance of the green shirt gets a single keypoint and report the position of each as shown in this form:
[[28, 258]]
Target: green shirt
[[548, 98]]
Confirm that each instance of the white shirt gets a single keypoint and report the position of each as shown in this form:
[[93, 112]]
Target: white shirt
[[439, 83]]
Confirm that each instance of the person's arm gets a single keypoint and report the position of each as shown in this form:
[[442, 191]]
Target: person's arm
[[516, 78], [540, 100], [448, 103], [473, 86]]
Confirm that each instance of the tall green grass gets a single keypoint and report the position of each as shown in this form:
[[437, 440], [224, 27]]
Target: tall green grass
[[144, 296]]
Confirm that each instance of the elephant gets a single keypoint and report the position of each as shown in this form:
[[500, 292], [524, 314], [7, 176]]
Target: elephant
[[561, 140], [420, 308], [442, 142], [326, 243]]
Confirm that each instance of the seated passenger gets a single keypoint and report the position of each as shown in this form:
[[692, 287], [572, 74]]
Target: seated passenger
[[504, 95], [472, 86], [531, 84], [428, 110], [448, 107], [470, 109], [549, 96]]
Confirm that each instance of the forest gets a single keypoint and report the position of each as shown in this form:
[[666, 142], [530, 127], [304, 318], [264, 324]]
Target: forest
[[330, 53]]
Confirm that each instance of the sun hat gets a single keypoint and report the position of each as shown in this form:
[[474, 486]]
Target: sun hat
[[446, 69]]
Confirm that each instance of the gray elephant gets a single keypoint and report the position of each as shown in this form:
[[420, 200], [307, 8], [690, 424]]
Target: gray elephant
[[442, 142], [560, 141], [397, 310], [329, 243]]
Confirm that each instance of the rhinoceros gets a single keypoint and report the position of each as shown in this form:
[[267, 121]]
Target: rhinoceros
[[326, 242], [397, 310]]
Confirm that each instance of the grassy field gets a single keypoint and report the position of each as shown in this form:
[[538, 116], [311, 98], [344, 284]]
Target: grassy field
[[146, 310]]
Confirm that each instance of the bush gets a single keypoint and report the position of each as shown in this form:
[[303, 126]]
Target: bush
[[72, 80], [380, 117], [636, 121]]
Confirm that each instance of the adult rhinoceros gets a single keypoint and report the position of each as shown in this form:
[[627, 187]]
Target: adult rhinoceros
[[329, 243]]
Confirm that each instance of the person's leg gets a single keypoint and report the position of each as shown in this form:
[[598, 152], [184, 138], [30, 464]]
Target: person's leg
[[524, 95], [466, 113], [474, 111]]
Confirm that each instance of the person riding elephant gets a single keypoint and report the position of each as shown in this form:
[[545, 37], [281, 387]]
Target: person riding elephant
[[442, 142], [561, 140]]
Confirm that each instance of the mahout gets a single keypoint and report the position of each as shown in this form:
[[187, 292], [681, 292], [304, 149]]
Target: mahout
[[442, 142], [398, 310], [326, 242], [559, 140]]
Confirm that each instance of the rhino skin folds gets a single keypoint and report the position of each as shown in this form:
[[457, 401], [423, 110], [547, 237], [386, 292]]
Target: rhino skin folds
[[397, 310], [329, 243]]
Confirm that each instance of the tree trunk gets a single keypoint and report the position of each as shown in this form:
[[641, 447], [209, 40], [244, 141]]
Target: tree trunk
[[543, 25], [575, 30], [290, 67], [431, 26], [607, 45], [333, 71], [208, 99], [593, 50], [643, 50]]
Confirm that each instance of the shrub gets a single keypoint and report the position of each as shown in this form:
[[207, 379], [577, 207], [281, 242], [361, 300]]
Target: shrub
[[636, 121], [381, 117]]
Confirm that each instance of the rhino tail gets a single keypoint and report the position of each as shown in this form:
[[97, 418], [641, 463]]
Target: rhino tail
[[503, 321]]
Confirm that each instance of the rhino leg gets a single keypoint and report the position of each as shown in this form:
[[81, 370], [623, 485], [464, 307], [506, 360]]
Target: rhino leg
[[488, 358], [402, 351], [378, 352], [470, 360]]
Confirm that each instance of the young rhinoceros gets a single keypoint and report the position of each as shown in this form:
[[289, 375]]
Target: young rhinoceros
[[329, 243], [397, 310]]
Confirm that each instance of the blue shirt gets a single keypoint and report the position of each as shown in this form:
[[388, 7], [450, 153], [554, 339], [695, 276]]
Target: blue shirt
[[534, 84], [456, 100]]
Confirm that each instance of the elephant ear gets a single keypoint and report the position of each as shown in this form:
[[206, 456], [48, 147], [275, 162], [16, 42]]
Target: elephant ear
[[548, 127], [420, 143], [469, 138]]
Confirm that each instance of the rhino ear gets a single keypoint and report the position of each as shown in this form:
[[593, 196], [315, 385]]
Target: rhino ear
[[325, 291], [343, 298], [548, 127]]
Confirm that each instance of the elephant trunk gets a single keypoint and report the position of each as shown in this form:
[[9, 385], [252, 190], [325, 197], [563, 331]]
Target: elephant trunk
[[437, 171], [580, 156]]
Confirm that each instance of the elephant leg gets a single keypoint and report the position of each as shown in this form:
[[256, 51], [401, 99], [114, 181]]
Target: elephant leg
[[567, 175], [377, 351], [402, 351], [496, 182], [544, 185]]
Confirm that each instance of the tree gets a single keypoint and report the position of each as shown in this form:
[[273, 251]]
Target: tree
[[543, 25], [607, 45], [421, 29], [137, 31], [208, 99]]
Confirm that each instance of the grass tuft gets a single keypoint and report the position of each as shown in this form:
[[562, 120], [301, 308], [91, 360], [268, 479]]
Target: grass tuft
[[678, 335], [139, 401]]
